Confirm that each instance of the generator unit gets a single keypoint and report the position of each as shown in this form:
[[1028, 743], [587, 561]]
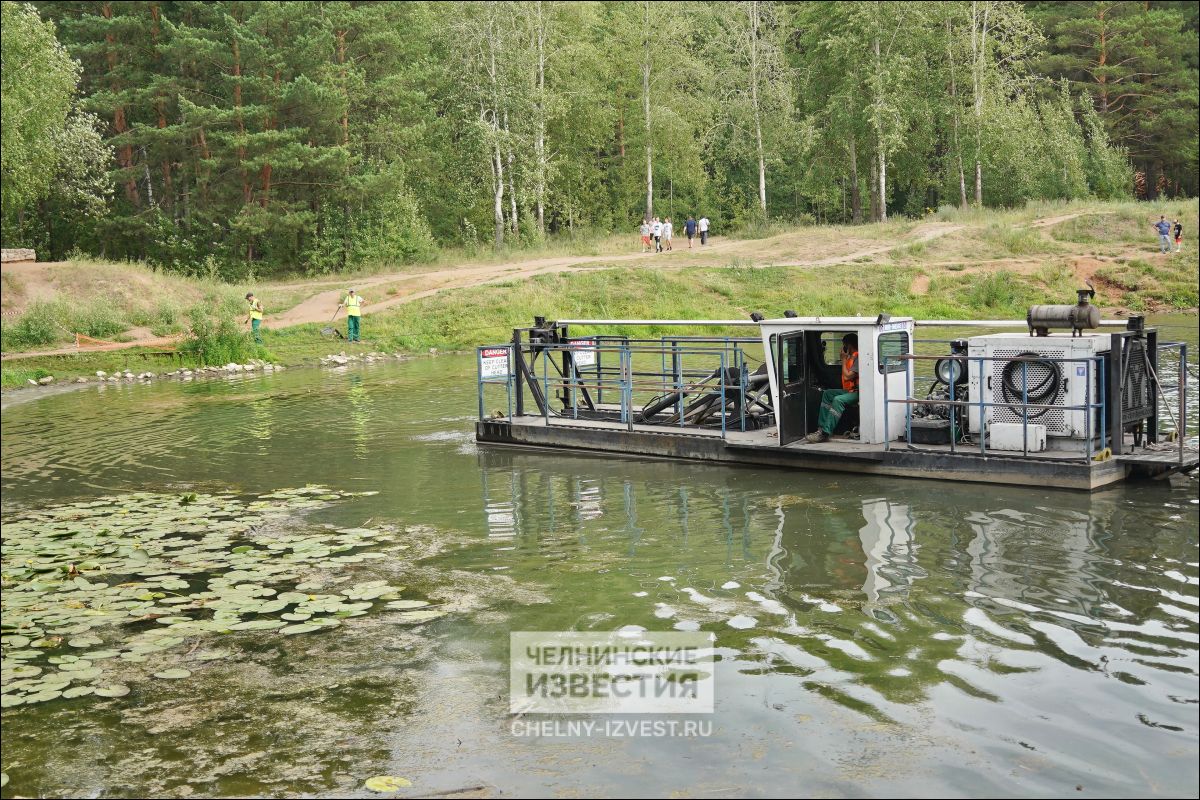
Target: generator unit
[[1057, 370]]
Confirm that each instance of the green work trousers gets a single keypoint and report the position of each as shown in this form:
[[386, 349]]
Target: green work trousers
[[255, 324], [352, 329], [833, 404]]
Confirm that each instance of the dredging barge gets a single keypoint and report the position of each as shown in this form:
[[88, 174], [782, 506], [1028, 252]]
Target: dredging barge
[[1075, 410]]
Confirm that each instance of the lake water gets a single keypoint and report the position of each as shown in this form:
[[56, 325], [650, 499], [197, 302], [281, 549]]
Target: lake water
[[888, 636]]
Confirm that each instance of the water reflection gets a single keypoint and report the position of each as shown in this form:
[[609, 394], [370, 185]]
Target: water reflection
[[875, 595]]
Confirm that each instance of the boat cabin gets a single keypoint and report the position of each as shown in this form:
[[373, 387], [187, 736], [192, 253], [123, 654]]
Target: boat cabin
[[805, 354]]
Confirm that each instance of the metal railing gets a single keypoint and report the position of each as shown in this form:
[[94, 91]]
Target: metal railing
[[1024, 409], [630, 369]]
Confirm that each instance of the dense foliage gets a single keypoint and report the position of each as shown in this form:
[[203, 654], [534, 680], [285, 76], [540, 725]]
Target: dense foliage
[[328, 135]]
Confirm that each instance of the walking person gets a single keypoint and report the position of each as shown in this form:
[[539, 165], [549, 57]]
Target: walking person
[[703, 231], [645, 230], [353, 304], [256, 316], [834, 402], [1178, 236], [657, 227], [1164, 234], [668, 232], [690, 227]]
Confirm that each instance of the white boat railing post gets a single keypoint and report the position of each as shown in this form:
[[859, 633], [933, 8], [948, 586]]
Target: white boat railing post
[[982, 419], [887, 408]]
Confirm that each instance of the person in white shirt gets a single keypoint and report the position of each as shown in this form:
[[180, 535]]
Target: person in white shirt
[[668, 231], [704, 230], [658, 229]]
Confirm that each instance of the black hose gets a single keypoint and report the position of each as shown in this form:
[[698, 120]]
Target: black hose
[[1045, 392]]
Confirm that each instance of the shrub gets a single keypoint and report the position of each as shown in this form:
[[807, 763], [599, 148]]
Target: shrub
[[35, 328], [214, 338]]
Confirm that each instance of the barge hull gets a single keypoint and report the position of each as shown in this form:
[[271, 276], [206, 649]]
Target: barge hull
[[758, 449]]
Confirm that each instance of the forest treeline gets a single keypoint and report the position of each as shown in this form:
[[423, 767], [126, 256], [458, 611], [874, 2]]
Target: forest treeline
[[261, 137]]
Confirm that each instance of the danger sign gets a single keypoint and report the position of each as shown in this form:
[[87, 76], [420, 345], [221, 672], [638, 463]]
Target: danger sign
[[493, 362]]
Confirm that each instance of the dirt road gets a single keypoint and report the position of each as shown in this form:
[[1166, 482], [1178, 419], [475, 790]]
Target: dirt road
[[808, 247]]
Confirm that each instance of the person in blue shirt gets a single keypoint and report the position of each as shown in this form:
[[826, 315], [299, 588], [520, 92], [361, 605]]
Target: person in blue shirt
[[690, 227], [1164, 234]]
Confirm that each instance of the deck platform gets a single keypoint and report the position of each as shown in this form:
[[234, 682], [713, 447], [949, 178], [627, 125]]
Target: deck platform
[[1053, 468]]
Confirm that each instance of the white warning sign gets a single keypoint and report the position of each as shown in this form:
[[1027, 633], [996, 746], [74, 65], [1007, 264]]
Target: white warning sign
[[584, 352], [493, 362]]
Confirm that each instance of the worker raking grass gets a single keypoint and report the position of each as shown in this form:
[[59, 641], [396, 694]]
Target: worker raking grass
[[353, 304], [255, 316]]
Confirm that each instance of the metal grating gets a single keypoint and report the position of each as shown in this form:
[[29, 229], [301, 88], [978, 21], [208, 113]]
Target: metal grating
[[1055, 420], [1137, 402]]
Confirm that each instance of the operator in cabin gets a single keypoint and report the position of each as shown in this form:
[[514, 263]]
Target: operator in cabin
[[834, 402]]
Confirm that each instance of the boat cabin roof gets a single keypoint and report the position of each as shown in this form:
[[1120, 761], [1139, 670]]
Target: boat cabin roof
[[836, 323]]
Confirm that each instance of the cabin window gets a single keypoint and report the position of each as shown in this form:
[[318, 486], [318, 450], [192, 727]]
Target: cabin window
[[789, 355], [892, 345]]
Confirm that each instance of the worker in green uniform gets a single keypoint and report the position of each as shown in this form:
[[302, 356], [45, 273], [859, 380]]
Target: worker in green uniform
[[835, 401], [256, 315], [353, 305]]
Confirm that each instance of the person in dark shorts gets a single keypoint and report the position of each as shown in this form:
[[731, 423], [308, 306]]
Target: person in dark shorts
[[690, 227], [1178, 236]]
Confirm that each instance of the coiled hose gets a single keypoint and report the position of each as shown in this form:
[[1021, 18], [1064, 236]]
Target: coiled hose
[[1045, 392]]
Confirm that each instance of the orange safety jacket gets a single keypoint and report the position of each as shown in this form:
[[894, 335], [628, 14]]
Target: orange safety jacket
[[850, 372]]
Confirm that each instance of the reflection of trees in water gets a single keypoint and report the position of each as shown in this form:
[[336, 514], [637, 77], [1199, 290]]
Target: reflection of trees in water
[[884, 599]]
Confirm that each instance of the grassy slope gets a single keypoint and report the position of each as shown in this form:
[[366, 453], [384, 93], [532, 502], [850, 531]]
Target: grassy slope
[[995, 267]]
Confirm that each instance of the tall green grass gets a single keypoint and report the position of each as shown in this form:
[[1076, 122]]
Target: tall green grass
[[214, 337]]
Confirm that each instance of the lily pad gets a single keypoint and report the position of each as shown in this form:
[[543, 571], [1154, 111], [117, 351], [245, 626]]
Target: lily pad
[[387, 783], [173, 674], [403, 605], [114, 690]]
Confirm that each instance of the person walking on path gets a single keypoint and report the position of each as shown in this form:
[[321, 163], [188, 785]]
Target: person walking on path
[[1164, 234], [1178, 236], [690, 227], [834, 402], [353, 304], [668, 232], [645, 230], [256, 316], [703, 231], [658, 229]]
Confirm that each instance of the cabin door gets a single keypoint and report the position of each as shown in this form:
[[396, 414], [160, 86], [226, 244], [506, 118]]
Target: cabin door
[[793, 388]]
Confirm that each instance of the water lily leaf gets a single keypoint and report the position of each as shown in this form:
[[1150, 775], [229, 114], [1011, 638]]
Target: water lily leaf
[[258, 625], [84, 641], [86, 674], [43, 696], [387, 783], [173, 674], [301, 628], [401, 605], [16, 642], [78, 691], [115, 690], [26, 671]]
